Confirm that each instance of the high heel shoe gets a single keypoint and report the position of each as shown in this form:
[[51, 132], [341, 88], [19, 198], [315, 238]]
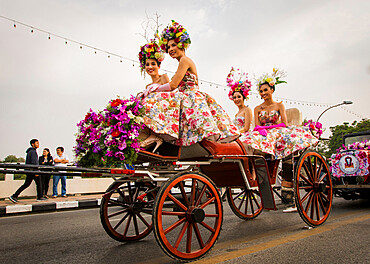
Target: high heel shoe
[[150, 141]]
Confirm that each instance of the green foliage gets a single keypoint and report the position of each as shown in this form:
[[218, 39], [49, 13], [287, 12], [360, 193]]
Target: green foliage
[[13, 158], [335, 140]]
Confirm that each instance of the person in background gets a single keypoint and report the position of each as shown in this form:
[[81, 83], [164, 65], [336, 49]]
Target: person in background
[[45, 159], [31, 158], [61, 160]]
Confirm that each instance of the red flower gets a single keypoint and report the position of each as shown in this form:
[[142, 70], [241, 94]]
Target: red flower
[[116, 133], [87, 116], [177, 40], [175, 128], [161, 116], [116, 102]]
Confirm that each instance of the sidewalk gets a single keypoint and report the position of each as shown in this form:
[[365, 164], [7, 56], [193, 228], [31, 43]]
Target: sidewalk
[[30, 205]]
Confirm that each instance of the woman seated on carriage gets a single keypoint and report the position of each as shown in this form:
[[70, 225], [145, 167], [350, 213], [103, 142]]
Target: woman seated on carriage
[[177, 111], [271, 134]]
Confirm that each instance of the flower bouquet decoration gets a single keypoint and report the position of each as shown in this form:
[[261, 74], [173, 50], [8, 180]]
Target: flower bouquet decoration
[[315, 128], [109, 138], [238, 82], [272, 79]]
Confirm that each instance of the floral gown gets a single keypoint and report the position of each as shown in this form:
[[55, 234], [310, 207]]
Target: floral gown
[[187, 116], [279, 142]]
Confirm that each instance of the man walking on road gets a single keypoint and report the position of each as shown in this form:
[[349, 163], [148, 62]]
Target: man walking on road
[[31, 158]]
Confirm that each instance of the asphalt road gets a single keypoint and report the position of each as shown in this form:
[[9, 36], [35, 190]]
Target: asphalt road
[[273, 237]]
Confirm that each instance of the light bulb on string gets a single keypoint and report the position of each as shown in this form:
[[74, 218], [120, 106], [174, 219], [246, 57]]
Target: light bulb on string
[[14, 25], [49, 36], [80, 47], [66, 42], [108, 56], [31, 30]]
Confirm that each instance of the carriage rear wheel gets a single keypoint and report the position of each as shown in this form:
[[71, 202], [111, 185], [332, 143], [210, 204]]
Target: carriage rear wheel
[[313, 188], [245, 203], [192, 229], [124, 210]]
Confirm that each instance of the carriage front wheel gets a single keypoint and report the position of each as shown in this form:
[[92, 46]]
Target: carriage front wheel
[[125, 210], [187, 216], [313, 188]]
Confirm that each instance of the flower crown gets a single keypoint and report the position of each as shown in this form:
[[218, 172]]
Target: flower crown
[[271, 79], [238, 82], [150, 50], [178, 33]]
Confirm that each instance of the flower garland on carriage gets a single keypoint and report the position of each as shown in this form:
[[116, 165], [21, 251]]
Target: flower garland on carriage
[[109, 138]]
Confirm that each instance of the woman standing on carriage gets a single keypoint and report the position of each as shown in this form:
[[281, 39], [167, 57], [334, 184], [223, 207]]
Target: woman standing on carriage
[[177, 111], [271, 134]]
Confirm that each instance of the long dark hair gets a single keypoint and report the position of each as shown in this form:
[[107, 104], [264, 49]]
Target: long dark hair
[[49, 155]]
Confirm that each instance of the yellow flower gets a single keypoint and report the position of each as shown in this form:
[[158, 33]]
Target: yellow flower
[[274, 70], [268, 79], [178, 34], [180, 45], [157, 55]]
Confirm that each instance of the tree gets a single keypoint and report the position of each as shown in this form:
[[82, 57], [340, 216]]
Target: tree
[[335, 140], [13, 158]]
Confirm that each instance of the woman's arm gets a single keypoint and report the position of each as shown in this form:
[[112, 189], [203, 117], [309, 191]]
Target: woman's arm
[[248, 119], [256, 120]]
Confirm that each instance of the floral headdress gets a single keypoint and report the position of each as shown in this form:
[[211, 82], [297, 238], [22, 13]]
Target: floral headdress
[[178, 33], [272, 79], [150, 50], [238, 82]]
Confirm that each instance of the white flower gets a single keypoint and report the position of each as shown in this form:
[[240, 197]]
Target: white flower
[[139, 119], [130, 114], [130, 103]]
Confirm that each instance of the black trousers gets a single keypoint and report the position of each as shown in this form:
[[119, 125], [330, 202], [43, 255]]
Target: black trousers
[[45, 179], [27, 183]]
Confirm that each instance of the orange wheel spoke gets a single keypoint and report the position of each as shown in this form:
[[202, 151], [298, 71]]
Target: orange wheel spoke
[[306, 180], [121, 221], [198, 235], [207, 202], [307, 170], [313, 205], [208, 227], [317, 208], [245, 198], [309, 201], [323, 177], [315, 168], [319, 172], [189, 238], [323, 207], [306, 195], [183, 207], [237, 197], [181, 234], [173, 213], [184, 196], [211, 215], [201, 195], [192, 196], [174, 225]]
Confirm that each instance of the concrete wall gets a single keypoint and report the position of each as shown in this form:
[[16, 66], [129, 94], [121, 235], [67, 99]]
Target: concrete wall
[[77, 185]]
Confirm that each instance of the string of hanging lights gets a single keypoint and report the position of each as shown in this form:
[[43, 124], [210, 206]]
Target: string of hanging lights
[[134, 62]]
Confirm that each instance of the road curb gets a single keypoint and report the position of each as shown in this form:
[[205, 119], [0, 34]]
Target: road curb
[[49, 206]]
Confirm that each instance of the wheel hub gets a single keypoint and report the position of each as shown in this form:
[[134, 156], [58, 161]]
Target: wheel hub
[[319, 187], [196, 215]]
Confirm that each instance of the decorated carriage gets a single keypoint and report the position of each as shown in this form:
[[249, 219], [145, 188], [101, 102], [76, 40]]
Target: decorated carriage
[[175, 193], [350, 167]]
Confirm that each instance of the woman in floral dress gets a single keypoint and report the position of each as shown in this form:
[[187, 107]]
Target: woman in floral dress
[[271, 134], [177, 111]]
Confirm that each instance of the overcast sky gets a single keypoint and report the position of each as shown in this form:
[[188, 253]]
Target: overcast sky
[[47, 86]]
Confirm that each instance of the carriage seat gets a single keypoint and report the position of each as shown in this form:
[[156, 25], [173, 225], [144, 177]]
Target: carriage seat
[[294, 116]]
